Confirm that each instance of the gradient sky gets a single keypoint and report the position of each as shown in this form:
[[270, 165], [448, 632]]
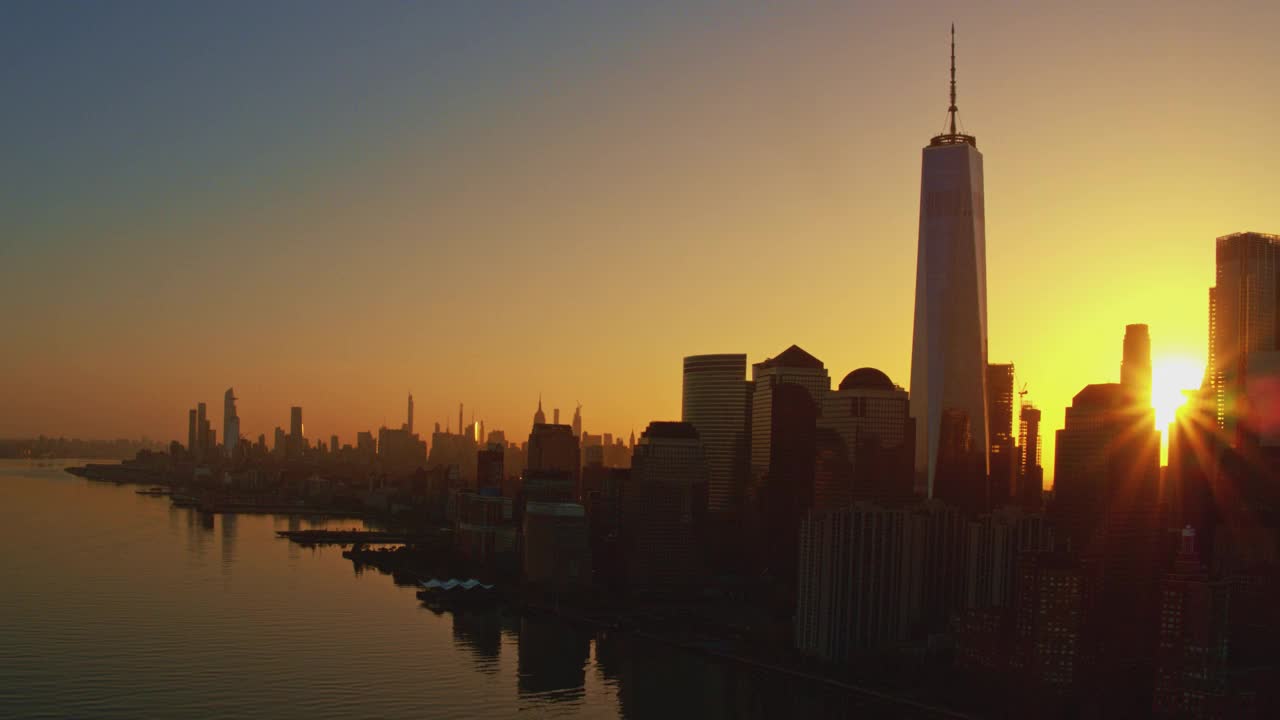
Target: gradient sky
[[332, 204]]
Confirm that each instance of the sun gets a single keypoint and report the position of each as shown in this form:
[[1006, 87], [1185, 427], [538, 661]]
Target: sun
[[1170, 377]]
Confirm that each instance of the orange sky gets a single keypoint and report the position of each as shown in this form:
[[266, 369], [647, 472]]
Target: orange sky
[[571, 207]]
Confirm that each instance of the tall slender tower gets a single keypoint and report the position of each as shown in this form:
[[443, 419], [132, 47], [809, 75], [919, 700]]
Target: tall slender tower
[[230, 422], [409, 425], [1135, 367], [949, 348]]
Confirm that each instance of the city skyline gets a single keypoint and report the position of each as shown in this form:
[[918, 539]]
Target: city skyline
[[839, 179]]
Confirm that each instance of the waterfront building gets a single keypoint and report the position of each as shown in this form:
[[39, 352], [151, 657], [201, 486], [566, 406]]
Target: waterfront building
[[715, 403], [557, 548], [485, 528], [664, 505], [854, 581], [230, 423], [871, 416], [949, 346]]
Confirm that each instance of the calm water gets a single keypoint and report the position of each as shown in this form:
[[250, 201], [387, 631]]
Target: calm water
[[115, 605]]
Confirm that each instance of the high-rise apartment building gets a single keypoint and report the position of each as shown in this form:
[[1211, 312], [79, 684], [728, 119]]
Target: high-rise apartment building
[[949, 347], [714, 401]]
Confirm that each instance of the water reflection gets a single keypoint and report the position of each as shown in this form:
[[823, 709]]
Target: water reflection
[[552, 659], [479, 632]]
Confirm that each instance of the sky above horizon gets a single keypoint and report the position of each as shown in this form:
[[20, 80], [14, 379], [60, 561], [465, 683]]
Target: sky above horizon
[[334, 204]]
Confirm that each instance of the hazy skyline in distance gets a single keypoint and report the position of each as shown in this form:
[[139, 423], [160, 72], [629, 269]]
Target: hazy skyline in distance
[[331, 205]]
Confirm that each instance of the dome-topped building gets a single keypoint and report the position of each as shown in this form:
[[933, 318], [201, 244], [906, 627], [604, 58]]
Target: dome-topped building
[[866, 378], [872, 417]]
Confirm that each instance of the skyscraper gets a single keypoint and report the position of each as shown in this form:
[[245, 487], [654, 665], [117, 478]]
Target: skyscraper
[[1003, 458], [949, 347], [539, 417], [193, 427], [793, 366], [202, 430], [296, 442], [577, 422], [230, 422], [409, 424], [714, 402], [1242, 314], [871, 416], [1030, 472], [664, 508], [1135, 368]]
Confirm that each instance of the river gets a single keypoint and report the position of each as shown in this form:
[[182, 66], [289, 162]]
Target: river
[[117, 605]]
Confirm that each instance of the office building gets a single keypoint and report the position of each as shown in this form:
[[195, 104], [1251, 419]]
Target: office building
[[556, 548], [871, 416], [193, 427], [297, 441], [949, 345], [1135, 368], [792, 366], [664, 507], [1242, 315], [554, 448], [715, 403]]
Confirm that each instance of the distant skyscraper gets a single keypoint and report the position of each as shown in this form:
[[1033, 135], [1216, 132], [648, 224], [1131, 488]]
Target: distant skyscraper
[[949, 348], [193, 427], [230, 422], [794, 366], [539, 417], [1135, 368], [202, 430], [1002, 452], [577, 422], [1242, 314], [1030, 472], [714, 402], [409, 423], [554, 448], [296, 438], [333, 444]]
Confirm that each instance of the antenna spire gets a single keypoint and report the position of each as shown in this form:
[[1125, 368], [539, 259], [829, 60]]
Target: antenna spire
[[952, 110]]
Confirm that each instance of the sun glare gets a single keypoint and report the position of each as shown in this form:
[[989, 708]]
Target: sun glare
[[1170, 377]]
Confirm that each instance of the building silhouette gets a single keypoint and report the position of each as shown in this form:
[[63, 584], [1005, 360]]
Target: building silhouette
[[715, 402], [1135, 368], [1030, 471], [791, 366], [664, 508], [871, 417], [949, 346], [1242, 315], [297, 441], [1002, 450], [230, 423]]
